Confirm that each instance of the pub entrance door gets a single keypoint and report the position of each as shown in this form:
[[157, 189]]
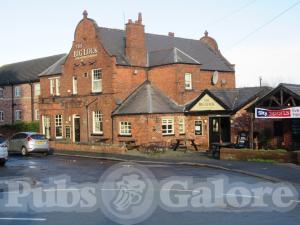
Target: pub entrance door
[[219, 130], [76, 128]]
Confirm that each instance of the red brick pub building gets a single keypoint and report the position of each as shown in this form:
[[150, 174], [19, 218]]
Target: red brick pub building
[[116, 86]]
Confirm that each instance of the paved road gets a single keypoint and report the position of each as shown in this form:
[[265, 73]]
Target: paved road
[[38, 169]]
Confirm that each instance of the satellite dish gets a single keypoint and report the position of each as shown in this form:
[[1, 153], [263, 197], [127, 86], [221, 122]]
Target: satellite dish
[[215, 77]]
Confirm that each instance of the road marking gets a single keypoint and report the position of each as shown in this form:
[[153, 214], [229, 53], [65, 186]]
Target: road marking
[[23, 219]]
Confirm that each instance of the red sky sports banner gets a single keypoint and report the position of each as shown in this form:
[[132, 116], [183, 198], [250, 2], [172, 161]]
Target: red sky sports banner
[[292, 112]]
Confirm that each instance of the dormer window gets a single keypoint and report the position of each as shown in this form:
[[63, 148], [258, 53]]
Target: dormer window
[[188, 81], [96, 80]]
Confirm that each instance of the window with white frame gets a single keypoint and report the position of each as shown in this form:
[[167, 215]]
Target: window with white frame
[[198, 127], [74, 84], [125, 128], [97, 80], [37, 114], [97, 122], [55, 86], [58, 126], [17, 91], [1, 92], [37, 89], [181, 125], [167, 126], [18, 114], [1, 116], [188, 81]]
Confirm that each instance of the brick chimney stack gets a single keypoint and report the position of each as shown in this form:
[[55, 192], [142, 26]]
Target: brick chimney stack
[[135, 48]]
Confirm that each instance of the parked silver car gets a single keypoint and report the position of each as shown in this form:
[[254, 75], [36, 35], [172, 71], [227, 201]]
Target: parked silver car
[[3, 150], [28, 142]]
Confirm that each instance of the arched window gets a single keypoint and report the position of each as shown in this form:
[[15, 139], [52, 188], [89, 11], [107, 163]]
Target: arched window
[[97, 122]]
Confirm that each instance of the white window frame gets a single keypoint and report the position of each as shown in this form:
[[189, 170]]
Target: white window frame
[[58, 124], [18, 114], [181, 125], [201, 121], [97, 80], [97, 118], [1, 116], [37, 114], [54, 86], [188, 81], [17, 91], [125, 128], [37, 89], [167, 121], [1, 92], [74, 85]]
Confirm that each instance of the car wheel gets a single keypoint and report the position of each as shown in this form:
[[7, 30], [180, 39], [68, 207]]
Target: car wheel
[[24, 151], [2, 163]]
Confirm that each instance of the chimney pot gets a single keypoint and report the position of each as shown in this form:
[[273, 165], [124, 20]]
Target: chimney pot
[[171, 34], [140, 19]]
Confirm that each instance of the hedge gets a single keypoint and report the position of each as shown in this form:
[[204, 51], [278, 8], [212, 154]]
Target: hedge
[[20, 127]]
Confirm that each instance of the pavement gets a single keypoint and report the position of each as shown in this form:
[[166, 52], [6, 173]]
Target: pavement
[[275, 172], [86, 170]]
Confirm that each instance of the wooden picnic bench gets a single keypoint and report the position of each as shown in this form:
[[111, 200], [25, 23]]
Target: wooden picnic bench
[[183, 142]]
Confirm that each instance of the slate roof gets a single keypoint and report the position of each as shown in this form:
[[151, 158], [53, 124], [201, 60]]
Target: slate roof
[[169, 56], [295, 88], [161, 46], [233, 99], [55, 68], [147, 99], [26, 71]]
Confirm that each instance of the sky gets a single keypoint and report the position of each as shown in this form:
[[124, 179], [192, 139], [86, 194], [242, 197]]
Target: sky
[[245, 30]]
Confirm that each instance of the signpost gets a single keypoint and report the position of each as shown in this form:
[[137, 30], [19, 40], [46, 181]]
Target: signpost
[[286, 113]]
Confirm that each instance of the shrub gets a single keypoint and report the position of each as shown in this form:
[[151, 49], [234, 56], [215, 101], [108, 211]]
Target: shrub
[[9, 129]]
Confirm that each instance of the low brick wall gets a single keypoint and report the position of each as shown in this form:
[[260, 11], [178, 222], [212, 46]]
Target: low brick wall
[[238, 154], [87, 147]]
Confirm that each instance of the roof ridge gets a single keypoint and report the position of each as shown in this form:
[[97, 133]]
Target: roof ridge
[[30, 60]]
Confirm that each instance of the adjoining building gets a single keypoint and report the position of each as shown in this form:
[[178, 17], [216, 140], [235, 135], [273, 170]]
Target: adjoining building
[[20, 89], [276, 123]]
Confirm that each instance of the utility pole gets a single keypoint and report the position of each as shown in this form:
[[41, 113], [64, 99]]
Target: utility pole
[[260, 81]]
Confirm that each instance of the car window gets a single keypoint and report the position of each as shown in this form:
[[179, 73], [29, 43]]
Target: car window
[[38, 137], [2, 139], [15, 136], [22, 136]]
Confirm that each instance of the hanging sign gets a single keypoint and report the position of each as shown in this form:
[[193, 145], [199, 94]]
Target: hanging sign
[[292, 112]]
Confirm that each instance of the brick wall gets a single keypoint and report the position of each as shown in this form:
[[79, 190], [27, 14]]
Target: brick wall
[[147, 128], [170, 79], [23, 103]]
